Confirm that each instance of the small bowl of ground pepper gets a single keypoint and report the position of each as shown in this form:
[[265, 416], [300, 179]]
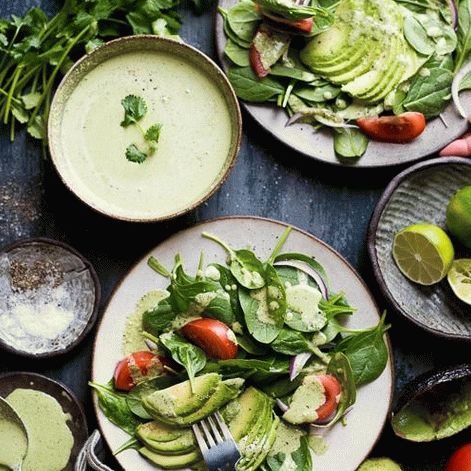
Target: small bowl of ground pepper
[[49, 298]]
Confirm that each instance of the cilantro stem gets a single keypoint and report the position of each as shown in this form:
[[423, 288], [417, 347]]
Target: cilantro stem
[[280, 244], [10, 93], [14, 99], [140, 129], [50, 82]]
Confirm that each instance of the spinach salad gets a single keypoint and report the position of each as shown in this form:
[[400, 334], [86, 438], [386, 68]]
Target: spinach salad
[[367, 69], [264, 342]]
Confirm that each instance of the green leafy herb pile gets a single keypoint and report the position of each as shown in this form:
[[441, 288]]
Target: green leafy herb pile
[[336, 73], [277, 311], [35, 50], [135, 109]]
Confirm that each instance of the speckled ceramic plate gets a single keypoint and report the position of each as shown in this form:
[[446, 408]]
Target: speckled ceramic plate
[[348, 446], [159, 47], [319, 144], [69, 403], [420, 194]]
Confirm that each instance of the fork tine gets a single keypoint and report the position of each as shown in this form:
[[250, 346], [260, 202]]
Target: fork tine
[[215, 430], [222, 425], [200, 438], [207, 433]]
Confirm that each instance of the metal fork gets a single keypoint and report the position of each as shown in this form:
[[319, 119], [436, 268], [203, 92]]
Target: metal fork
[[216, 443]]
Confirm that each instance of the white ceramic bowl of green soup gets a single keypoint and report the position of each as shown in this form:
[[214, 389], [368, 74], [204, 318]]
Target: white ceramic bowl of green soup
[[184, 93]]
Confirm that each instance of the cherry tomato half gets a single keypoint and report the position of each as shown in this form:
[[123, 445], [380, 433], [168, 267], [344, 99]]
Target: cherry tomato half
[[129, 370], [332, 389], [303, 26], [214, 337], [460, 460], [256, 62], [401, 128]]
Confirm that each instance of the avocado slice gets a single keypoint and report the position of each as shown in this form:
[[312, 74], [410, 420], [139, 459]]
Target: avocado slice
[[171, 461], [379, 464], [180, 400], [266, 447], [224, 392], [165, 439], [248, 406]]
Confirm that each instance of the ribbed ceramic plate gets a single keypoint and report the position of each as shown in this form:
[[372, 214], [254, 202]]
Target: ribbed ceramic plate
[[348, 446], [420, 194], [69, 403], [319, 145]]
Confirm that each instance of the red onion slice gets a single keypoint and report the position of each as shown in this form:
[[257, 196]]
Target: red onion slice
[[283, 407], [293, 119], [297, 363], [455, 88], [454, 13], [304, 267]]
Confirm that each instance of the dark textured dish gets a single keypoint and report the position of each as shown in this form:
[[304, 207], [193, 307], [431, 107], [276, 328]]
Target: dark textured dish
[[121, 46], [420, 194], [85, 277], [69, 403], [319, 145]]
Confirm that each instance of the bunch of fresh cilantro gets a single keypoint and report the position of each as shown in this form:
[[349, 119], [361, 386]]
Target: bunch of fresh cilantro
[[36, 49]]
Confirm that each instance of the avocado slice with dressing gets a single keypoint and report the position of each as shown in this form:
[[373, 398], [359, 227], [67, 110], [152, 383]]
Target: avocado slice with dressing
[[179, 406], [171, 461], [166, 439], [365, 51]]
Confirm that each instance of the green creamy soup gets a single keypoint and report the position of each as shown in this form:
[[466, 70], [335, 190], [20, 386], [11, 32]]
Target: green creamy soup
[[13, 443], [50, 440], [194, 143]]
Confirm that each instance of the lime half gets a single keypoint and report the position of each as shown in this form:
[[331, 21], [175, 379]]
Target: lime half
[[424, 253], [459, 278]]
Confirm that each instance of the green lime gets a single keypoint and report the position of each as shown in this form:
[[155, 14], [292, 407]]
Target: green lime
[[459, 278], [458, 216], [423, 252]]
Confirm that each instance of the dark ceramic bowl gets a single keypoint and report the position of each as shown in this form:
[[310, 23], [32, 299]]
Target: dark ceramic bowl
[[63, 395], [73, 273], [420, 194]]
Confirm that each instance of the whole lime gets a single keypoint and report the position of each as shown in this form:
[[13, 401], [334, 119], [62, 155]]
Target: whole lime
[[458, 215]]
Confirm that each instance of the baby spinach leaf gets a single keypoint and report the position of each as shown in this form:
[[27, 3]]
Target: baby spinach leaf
[[417, 37], [317, 94], [131, 444], [251, 346], [463, 49], [350, 143], [191, 357], [311, 261], [250, 88], [160, 318], [269, 366], [243, 19], [291, 342], [282, 387], [429, 94], [297, 73], [237, 54], [246, 268], [367, 353], [264, 309], [290, 450], [293, 11], [115, 406]]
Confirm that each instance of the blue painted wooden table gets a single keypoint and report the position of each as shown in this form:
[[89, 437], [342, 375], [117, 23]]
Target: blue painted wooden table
[[269, 180]]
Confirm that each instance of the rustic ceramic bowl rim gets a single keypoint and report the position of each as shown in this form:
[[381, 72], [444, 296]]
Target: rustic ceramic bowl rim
[[373, 227], [282, 224], [231, 102], [96, 305]]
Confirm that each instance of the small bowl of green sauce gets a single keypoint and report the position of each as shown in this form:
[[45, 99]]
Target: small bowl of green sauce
[[52, 417]]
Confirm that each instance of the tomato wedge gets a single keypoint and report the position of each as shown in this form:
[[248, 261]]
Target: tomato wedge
[[134, 367], [256, 62], [398, 129], [332, 390], [214, 337], [460, 460], [303, 26]]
